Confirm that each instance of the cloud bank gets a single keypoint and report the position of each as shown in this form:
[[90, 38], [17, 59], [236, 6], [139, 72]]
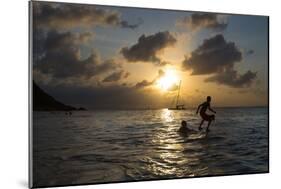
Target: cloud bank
[[216, 56], [116, 76], [61, 57], [147, 47], [68, 16], [199, 21]]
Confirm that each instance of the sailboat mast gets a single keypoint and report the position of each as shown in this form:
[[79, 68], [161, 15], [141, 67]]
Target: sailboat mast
[[178, 93]]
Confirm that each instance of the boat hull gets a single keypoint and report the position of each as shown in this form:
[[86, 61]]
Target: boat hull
[[176, 108]]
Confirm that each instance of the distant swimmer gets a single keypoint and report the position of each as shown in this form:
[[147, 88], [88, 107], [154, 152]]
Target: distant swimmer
[[68, 113], [184, 129], [205, 117]]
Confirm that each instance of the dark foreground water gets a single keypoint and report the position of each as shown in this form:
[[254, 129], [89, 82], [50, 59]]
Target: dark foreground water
[[110, 146]]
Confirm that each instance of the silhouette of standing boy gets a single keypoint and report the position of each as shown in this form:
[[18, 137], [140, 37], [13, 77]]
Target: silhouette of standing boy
[[205, 117]]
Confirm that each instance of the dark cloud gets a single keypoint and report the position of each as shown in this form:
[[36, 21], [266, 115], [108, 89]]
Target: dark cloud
[[116, 76], [60, 57], [233, 79], [216, 56], [65, 40], [126, 24], [249, 52], [203, 20], [145, 83], [147, 47], [66, 16]]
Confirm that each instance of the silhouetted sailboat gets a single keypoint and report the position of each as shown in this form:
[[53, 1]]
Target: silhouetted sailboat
[[177, 105]]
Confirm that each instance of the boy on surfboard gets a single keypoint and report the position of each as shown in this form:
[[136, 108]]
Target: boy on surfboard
[[205, 117]]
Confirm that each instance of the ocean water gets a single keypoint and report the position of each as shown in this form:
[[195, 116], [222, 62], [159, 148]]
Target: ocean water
[[114, 146]]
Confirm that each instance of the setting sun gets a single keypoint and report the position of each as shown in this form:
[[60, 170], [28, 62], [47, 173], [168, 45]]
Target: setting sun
[[168, 80]]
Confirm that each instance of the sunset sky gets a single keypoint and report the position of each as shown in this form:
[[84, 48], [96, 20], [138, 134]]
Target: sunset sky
[[113, 57]]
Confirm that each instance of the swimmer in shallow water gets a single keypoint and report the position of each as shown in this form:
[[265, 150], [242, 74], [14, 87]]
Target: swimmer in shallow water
[[184, 129]]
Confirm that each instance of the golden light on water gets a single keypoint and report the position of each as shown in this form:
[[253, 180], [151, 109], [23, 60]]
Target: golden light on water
[[167, 115], [170, 158], [168, 153], [168, 80]]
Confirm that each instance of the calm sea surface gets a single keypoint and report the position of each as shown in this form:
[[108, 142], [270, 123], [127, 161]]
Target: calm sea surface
[[108, 146]]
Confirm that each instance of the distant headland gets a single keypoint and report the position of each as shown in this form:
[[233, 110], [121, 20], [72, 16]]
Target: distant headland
[[44, 102]]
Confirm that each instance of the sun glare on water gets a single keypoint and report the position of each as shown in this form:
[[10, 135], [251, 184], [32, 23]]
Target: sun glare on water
[[168, 80]]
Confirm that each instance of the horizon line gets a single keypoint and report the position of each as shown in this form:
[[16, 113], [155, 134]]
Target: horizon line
[[191, 107]]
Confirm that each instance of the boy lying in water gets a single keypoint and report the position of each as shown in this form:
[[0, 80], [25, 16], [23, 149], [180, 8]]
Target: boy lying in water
[[184, 129]]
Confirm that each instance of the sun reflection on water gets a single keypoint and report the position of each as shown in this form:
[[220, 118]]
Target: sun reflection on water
[[167, 115], [169, 158]]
